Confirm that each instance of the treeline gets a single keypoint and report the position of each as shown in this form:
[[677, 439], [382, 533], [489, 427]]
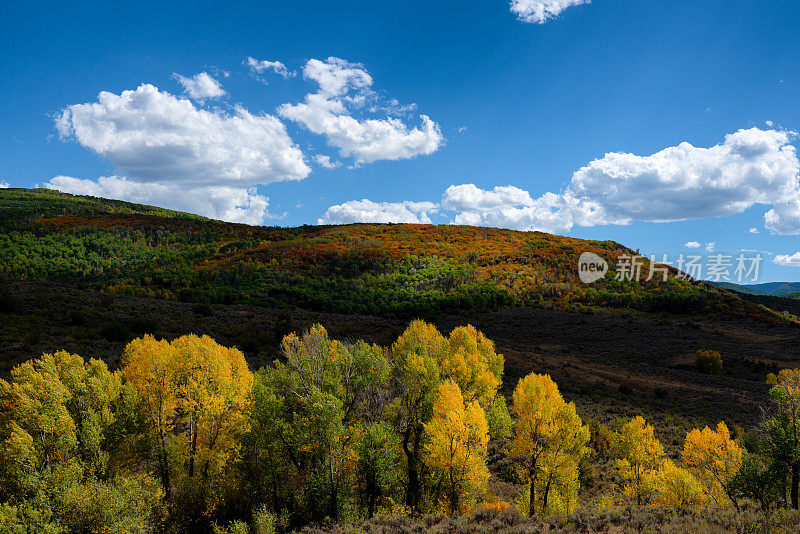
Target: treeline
[[184, 437]]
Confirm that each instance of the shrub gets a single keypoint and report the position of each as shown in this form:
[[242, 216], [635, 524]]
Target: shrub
[[235, 527], [601, 438], [264, 521], [28, 517], [708, 362], [117, 506]]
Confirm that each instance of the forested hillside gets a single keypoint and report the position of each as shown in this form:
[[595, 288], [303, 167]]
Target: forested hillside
[[401, 270]]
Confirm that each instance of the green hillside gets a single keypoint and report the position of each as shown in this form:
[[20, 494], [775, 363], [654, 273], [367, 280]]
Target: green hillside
[[404, 270], [780, 289]]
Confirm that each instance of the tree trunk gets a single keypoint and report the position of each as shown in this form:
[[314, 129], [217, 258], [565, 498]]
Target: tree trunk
[[453, 495], [371, 495], [192, 444], [412, 488], [333, 509], [162, 457], [532, 497], [546, 493], [795, 484], [731, 496]]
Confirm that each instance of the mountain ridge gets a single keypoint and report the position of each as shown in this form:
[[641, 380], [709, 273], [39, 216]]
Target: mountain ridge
[[777, 289]]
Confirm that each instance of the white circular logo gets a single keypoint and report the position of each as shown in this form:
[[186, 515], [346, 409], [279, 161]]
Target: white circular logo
[[591, 267]]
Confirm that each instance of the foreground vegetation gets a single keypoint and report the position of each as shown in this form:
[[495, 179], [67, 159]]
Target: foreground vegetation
[[184, 437], [398, 270]]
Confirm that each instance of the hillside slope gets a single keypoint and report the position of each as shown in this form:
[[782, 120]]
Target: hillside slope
[[398, 269]]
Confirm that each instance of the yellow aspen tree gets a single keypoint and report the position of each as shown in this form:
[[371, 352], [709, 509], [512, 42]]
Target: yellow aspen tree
[[423, 359], [93, 391], [785, 377], [38, 429], [194, 384], [548, 442], [213, 384], [640, 455], [672, 486], [417, 372], [151, 367], [472, 363], [457, 437], [715, 459], [566, 447]]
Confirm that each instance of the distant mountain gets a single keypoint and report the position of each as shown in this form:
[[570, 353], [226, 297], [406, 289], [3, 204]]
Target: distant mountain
[[747, 290], [776, 289]]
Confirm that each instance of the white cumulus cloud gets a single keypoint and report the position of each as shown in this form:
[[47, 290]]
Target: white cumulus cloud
[[540, 11], [326, 162], [4, 185], [379, 212], [345, 87], [787, 260], [686, 182], [200, 86], [678, 183], [153, 136], [260, 66], [692, 244], [505, 207], [784, 217], [230, 204]]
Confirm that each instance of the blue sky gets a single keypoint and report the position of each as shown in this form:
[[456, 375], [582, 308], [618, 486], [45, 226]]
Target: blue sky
[[510, 100]]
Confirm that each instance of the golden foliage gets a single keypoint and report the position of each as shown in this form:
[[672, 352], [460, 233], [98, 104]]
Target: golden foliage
[[548, 444], [457, 439], [640, 455], [674, 487], [466, 356], [196, 386], [55, 408], [708, 361], [785, 377], [715, 459]]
